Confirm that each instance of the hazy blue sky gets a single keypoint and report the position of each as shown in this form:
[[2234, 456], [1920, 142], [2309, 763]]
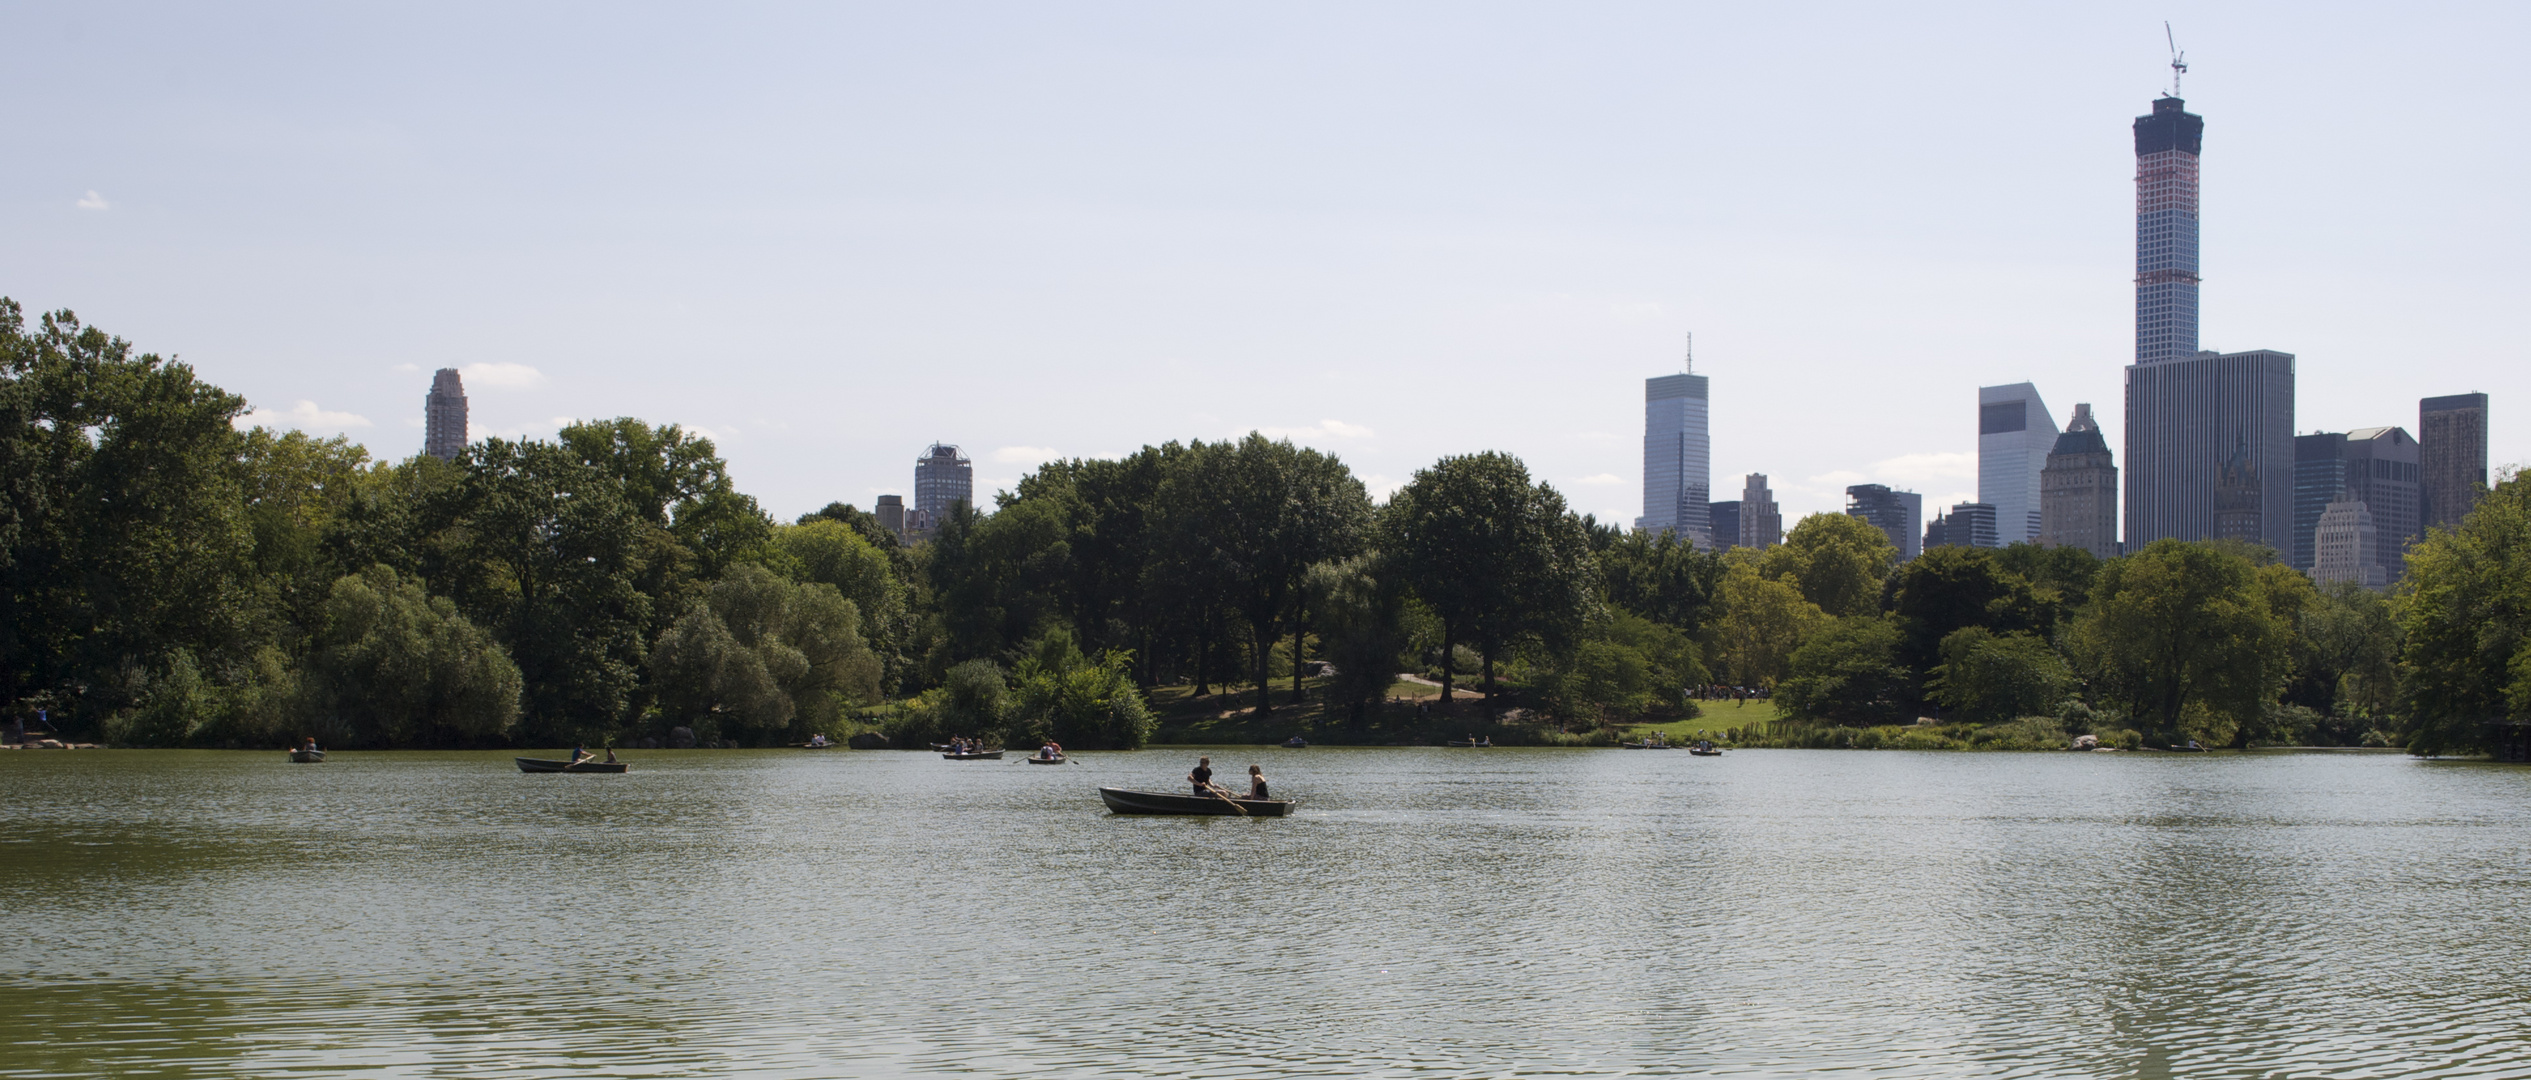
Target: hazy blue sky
[[828, 234]]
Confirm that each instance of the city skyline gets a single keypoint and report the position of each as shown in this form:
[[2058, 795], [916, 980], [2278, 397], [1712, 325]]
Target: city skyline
[[1522, 225]]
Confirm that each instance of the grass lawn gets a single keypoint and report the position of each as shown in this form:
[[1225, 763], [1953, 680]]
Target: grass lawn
[[1718, 716]]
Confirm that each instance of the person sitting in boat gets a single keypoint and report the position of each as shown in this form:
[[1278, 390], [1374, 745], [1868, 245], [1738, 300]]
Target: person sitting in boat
[[1256, 782], [1049, 751], [818, 739], [610, 755], [580, 753], [309, 745], [1202, 776]]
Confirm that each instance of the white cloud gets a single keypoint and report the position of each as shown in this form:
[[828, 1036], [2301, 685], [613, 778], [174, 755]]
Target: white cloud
[[1600, 480], [1926, 470], [1380, 487], [502, 376], [1026, 455], [1333, 429], [304, 416], [93, 201]]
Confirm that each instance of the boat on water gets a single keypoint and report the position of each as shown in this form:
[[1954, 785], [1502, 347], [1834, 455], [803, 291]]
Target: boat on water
[[1705, 749], [1646, 745], [1128, 801], [307, 757], [972, 755], [1040, 759], [1296, 743], [529, 764], [1478, 744]]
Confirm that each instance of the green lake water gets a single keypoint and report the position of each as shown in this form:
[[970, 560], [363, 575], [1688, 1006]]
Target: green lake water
[[1427, 913]]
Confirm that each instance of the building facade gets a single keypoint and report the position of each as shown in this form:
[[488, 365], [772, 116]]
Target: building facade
[[1761, 522], [943, 478], [2078, 489], [2210, 449], [891, 514], [1899, 515], [1967, 525], [1724, 519], [2168, 141], [2348, 546], [2014, 434], [444, 416], [1677, 459], [2452, 456], [2376, 466]]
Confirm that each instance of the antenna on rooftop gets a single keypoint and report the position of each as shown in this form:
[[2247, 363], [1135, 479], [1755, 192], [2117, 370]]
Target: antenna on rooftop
[[1690, 366], [2179, 60]]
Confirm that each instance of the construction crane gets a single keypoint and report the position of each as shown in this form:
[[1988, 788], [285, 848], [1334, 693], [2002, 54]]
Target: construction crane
[[2179, 60]]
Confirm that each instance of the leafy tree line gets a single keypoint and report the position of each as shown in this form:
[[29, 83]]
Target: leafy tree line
[[167, 579]]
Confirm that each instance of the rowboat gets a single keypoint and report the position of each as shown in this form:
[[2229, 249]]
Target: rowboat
[[1126, 801], [1055, 760], [1705, 749], [529, 764], [307, 757], [1479, 744], [1296, 743], [980, 755]]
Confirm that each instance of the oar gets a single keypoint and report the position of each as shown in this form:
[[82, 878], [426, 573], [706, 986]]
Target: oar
[[1224, 796]]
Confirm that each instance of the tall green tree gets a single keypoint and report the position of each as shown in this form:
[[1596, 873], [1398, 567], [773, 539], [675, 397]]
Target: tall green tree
[[1256, 514], [764, 656], [1656, 576], [825, 550], [1765, 621], [2466, 609], [1358, 607], [1838, 562], [1850, 672], [542, 548], [1989, 678], [1951, 588], [123, 534], [1494, 556], [2185, 637]]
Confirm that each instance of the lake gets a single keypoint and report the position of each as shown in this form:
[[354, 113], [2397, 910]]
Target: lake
[[1429, 913]]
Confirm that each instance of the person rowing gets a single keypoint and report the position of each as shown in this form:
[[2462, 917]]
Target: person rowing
[[580, 753], [1202, 777]]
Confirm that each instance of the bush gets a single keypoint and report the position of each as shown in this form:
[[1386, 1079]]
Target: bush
[[1850, 674], [1990, 678]]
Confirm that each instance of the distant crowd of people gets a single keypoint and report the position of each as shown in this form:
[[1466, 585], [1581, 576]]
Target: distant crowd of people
[[1722, 692]]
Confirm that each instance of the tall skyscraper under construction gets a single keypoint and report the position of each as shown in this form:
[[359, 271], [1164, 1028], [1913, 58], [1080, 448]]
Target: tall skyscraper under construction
[[1677, 458], [2210, 436]]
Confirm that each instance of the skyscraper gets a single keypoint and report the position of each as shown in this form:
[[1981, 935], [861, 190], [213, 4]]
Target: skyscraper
[[2078, 490], [444, 416], [1761, 523], [1899, 515], [1967, 525], [1677, 458], [1724, 519], [2014, 435], [2375, 466], [2167, 144], [2452, 456], [2210, 436], [2346, 541], [943, 477]]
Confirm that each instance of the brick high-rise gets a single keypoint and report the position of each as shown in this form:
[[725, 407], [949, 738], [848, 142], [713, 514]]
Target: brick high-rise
[[444, 416]]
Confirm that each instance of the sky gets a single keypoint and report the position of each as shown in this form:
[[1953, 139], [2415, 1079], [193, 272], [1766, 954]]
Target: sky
[[829, 235]]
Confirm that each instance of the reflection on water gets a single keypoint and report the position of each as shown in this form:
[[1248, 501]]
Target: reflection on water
[[1429, 912]]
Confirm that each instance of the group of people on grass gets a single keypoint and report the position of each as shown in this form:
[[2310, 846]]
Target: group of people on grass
[[1201, 777]]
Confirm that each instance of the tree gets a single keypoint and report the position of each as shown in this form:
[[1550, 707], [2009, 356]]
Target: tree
[[1951, 588], [1495, 557], [1850, 673], [1624, 665], [999, 580], [764, 655], [123, 536], [295, 488], [2346, 659], [826, 550], [1764, 622], [2466, 610], [1359, 608], [677, 483], [2184, 635], [1254, 515], [1991, 678], [1837, 561], [542, 549], [1080, 701], [394, 666], [1656, 576]]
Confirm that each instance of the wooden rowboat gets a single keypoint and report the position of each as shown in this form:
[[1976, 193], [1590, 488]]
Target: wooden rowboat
[[1056, 760], [980, 755], [1126, 801], [529, 764], [307, 757], [1705, 750], [1479, 744]]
